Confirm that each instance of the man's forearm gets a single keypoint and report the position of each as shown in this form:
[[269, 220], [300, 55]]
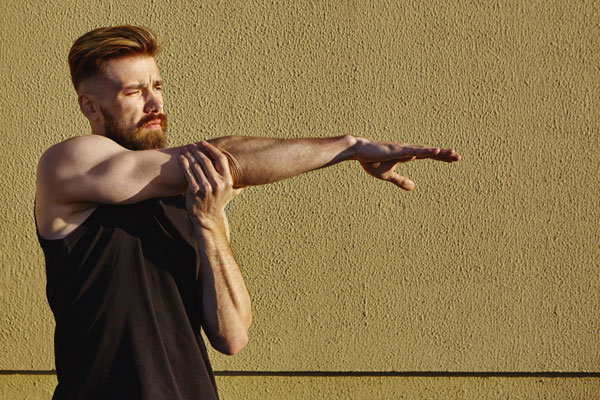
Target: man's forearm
[[225, 300], [257, 161]]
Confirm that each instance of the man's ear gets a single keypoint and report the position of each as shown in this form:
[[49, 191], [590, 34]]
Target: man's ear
[[89, 107]]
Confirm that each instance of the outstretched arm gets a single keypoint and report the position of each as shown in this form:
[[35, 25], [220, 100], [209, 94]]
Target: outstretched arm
[[256, 161], [225, 300], [94, 169]]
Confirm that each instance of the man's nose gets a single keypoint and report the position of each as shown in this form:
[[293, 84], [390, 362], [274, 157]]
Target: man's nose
[[154, 103]]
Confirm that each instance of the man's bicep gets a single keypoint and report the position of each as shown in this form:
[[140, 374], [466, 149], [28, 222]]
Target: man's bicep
[[101, 171]]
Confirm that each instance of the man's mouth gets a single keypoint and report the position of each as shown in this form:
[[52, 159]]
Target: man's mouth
[[154, 124]]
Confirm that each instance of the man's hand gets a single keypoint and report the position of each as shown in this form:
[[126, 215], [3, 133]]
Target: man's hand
[[224, 299], [380, 159], [210, 185]]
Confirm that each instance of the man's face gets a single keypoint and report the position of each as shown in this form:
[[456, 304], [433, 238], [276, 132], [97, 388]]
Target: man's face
[[132, 103]]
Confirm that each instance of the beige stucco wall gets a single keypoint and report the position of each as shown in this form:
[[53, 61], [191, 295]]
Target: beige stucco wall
[[40, 387], [490, 265]]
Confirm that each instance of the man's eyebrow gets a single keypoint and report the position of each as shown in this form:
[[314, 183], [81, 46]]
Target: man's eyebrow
[[142, 85]]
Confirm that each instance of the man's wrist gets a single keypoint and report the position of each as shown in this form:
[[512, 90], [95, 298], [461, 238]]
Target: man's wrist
[[354, 143], [345, 147], [214, 227]]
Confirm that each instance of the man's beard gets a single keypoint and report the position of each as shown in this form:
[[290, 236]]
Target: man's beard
[[138, 138]]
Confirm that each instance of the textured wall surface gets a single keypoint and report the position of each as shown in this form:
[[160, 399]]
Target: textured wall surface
[[490, 265], [40, 387]]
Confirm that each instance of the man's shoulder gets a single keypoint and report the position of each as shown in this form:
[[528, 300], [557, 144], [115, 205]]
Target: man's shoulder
[[78, 150], [76, 145], [61, 205]]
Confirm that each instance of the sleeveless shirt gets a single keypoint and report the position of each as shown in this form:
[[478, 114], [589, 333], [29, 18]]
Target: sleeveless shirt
[[124, 290]]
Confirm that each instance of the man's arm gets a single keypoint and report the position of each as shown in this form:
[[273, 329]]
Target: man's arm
[[98, 170], [76, 175], [256, 161], [92, 169], [225, 301], [95, 169]]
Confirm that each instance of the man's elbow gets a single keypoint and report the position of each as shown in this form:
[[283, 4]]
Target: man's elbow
[[231, 346]]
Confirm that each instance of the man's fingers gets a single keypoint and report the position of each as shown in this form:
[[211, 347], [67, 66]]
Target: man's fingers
[[448, 155], [407, 159], [207, 166], [220, 160], [402, 182], [237, 191], [185, 164], [200, 179], [419, 151]]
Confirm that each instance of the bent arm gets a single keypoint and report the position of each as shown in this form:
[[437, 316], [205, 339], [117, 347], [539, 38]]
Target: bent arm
[[225, 300]]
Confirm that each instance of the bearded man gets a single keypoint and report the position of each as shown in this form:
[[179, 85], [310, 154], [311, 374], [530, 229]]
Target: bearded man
[[135, 269]]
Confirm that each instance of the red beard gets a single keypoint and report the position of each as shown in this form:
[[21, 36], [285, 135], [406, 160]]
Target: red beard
[[138, 138]]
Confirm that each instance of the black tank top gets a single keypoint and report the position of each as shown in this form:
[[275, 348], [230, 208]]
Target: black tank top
[[123, 288]]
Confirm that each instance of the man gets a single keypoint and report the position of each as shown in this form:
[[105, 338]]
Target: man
[[133, 275]]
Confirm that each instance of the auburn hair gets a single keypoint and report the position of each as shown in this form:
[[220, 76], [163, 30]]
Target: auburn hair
[[90, 53]]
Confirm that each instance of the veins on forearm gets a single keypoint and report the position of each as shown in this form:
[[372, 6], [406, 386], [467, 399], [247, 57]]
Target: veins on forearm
[[257, 161]]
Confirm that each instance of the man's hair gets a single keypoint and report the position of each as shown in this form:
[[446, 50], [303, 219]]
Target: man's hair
[[92, 51]]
